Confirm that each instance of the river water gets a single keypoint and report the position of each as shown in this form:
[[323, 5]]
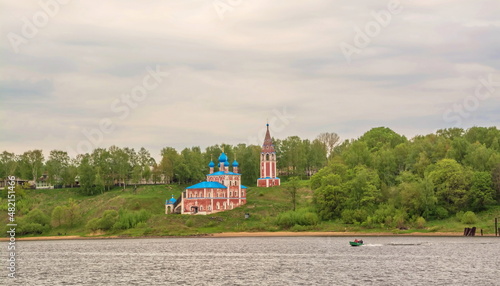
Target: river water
[[258, 261]]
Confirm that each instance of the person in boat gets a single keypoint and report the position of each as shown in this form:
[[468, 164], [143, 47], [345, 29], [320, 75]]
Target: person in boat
[[356, 240]]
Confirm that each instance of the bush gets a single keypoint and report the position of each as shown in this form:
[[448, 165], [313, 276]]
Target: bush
[[353, 216], [420, 222], [189, 223], [469, 218], [108, 219], [93, 224], [32, 228], [301, 217], [39, 217]]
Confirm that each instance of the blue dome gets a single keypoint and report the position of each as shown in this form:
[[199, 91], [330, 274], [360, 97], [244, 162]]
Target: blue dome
[[223, 157], [235, 163], [171, 201], [211, 164]]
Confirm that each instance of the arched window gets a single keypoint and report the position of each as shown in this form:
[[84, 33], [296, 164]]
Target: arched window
[[224, 205], [218, 206], [267, 157]]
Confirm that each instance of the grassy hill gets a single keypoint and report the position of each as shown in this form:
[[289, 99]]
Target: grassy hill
[[142, 213]]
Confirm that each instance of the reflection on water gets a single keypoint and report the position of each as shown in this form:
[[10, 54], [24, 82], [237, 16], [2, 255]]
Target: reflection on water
[[260, 261]]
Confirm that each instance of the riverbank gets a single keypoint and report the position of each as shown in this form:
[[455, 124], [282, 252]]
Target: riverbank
[[258, 234]]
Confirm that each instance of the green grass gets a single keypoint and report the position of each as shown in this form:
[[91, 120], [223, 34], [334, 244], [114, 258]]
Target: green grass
[[263, 205]]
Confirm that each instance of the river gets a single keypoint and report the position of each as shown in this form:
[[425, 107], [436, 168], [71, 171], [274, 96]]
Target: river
[[258, 261]]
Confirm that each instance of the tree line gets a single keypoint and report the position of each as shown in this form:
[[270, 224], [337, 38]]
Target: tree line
[[385, 178], [105, 168]]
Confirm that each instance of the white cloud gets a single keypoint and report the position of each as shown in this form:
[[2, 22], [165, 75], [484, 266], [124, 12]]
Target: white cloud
[[228, 77]]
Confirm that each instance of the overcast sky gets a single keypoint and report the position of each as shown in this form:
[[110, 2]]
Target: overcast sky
[[76, 75]]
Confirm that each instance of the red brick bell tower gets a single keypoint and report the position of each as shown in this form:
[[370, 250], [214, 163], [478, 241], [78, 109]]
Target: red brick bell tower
[[268, 175]]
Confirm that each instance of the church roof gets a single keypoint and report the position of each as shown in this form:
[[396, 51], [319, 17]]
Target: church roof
[[268, 146], [171, 201], [207, 185], [223, 157], [222, 173]]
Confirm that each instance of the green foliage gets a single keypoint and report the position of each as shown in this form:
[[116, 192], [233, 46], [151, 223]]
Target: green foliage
[[420, 222], [35, 222], [468, 218], [129, 219], [93, 224], [109, 218], [57, 216], [301, 217]]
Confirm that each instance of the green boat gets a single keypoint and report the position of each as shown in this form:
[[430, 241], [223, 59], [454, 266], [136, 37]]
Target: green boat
[[356, 243]]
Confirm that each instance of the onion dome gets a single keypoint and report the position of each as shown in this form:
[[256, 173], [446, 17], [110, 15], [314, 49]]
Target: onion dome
[[235, 163], [172, 201], [211, 164], [223, 157]]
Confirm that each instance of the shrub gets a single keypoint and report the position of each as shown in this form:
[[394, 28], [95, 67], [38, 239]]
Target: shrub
[[301, 217], [469, 218], [189, 223], [420, 222], [353, 216], [39, 217], [93, 224], [108, 219], [32, 228]]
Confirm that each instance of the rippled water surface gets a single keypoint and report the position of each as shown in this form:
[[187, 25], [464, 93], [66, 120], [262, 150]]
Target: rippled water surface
[[259, 261]]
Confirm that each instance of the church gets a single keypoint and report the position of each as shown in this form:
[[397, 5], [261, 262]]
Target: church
[[268, 177], [223, 190]]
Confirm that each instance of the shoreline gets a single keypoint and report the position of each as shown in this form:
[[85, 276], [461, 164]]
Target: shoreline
[[256, 234]]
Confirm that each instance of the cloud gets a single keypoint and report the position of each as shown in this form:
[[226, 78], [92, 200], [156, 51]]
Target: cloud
[[228, 77]]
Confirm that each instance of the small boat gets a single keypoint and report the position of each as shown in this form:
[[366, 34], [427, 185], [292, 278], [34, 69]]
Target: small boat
[[356, 243]]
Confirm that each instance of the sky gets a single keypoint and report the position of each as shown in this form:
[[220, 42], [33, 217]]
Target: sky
[[78, 75]]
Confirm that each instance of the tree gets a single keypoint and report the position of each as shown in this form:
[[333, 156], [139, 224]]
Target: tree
[[120, 165], [87, 175], [451, 181], [329, 140], [56, 165], [57, 216], [33, 160], [481, 192], [169, 160], [8, 164], [71, 212]]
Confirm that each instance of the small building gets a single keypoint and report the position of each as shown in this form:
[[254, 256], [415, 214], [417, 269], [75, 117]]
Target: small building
[[221, 191], [43, 182], [268, 175]]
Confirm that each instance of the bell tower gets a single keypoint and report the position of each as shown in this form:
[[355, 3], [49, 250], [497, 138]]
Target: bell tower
[[268, 175]]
